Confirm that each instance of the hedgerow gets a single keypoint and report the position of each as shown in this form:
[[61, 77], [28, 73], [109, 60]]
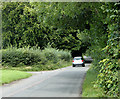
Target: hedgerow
[[109, 72], [17, 57], [105, 47]]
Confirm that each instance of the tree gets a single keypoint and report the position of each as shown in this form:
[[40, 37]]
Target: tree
[[65, 19], [21, 27], [74, 26]]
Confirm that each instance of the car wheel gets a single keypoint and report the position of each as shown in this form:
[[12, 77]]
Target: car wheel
[[73, 65], [83, 65]]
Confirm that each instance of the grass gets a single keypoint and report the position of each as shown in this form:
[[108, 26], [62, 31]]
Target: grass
[[12, 75], [89, 87], [46, 67]]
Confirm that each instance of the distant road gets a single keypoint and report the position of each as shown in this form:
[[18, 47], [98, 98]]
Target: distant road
[[66, 82]]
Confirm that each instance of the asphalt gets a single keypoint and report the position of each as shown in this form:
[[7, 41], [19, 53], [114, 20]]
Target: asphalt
[[65, 82]]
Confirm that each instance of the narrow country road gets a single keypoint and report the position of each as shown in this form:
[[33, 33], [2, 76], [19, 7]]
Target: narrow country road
[[65, 82]]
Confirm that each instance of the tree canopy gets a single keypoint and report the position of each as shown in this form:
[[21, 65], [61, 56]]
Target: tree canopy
[[82, 27]]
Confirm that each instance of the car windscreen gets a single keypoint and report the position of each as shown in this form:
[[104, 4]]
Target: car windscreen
[[77, 59]]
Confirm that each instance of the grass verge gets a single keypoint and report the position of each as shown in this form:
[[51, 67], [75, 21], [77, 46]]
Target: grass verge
[[12, 75], [46, 67], [89, 88]]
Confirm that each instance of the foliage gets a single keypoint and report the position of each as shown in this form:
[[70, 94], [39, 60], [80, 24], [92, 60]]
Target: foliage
[[65, 19], [36, 24], [48, 66], [33, 56], [62, 15], [73, 26], [19, 57], [108, 77], [105, 46], [89, 88], [56, 55], [20, 26]]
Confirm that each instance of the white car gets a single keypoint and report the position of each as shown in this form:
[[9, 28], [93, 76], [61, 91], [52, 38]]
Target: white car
[[78, 61]]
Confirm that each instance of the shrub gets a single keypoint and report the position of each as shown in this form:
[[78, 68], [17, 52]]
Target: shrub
[[64, 55], [27, 56], [51, 54], [23, 56], [108, 77], [56, 55]]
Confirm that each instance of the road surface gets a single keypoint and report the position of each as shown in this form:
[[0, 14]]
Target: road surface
[[65, 82]]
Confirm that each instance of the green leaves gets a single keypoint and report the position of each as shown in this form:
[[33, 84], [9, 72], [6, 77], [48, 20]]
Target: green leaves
[[68, 25], [109, 65], [16, 57], [108, 77]]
